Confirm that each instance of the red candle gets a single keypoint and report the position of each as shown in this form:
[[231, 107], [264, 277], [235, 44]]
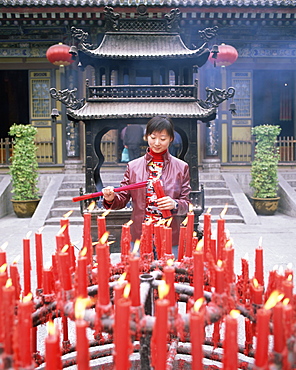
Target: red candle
[[82, 345], [219, 273], [119, 288], [87, 240], [157, 240], [39, 259], [8, 306], [230, 360], [197, 334], [103, 271], [82, 274], [261, 356], [229, 262], [27, 265], [259, 264], [149, 237], [3, 279], [189, 233], [198, 272], [3, 253], [288, 287], [221, 240], [101, 224], [125, 242], [160, 194], [134, 280], [288, 318], [48, 287], [278, 325], [160, 329], [24, 327], [52, 348], [64, 223], [168, 240], [15, 277], [207, 234], [256, 292], [64, 263], [60, 240], [122, 342], [182, 240], [169, 273]]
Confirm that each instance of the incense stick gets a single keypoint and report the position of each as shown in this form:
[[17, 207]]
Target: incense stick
[[137, 185]]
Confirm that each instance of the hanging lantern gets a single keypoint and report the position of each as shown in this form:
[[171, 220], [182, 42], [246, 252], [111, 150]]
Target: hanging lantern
[[226, 55], [59, 55]]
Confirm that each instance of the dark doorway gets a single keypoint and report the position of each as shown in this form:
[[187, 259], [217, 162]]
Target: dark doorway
[[273, 99], [14, 99]]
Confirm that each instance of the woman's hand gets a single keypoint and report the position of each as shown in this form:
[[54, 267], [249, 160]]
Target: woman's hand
[[108, 194], [166, 203]]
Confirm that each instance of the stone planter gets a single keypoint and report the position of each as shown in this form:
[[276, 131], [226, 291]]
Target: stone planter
[[265, 206], [24, 208]]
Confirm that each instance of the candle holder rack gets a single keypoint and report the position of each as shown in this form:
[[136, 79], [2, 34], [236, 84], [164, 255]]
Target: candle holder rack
[[266, 320]]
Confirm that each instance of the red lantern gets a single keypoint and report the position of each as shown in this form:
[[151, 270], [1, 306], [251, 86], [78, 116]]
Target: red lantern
[[59, 55], [226, 56]]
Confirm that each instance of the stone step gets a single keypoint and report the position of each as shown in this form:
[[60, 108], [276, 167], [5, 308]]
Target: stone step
[[216, 191], [217, 200], [217, 209], [213, 183]]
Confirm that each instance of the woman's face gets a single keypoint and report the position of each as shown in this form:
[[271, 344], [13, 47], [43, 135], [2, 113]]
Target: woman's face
[[159, 141]]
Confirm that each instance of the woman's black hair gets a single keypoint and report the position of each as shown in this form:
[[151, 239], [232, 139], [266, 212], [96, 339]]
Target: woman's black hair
[[160, 123]]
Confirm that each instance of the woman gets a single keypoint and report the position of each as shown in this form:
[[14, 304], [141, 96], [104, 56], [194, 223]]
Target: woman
[[156, 163]]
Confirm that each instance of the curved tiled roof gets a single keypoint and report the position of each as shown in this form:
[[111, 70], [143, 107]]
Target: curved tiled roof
[[140, 46], [198, 3], [112, 110]]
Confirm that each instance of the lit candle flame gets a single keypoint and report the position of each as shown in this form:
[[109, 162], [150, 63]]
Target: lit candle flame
[[106, 213], [190, 208], [51, 328], [4, 246], [104, 238], [17, 258], [163, 289], [112, 242], [170, 262], [136, 247], [255, 283], [127, 290], [219, 263], [28, 234], [280, 297], [65, 248], [40, 230], [198, 304], [286, 301], [91, 207], [28, 297], [290, 277], [3, 268], [272, 300], [8, 283], [129, 223], [68, 214], [121, 278], [169, 221], [199, 245], [260, 242], [223, 213], [83, 252], [62, 229], [80, 306], [229, 244], [209, 210], [185, 221], [234, 313]]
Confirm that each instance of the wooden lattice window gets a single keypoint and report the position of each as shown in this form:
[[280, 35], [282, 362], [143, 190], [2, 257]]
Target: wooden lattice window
[[242, 82], [39, 93]]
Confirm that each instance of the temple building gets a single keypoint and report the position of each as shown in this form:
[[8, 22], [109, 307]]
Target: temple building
[[104, 38]]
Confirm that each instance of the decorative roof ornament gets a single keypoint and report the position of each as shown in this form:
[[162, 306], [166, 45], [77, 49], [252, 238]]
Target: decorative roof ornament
[[217, 96], [208, 33], [111, 19], [67, 97], [173, 19]]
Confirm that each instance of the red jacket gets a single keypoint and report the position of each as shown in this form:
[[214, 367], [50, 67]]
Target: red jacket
[[176, 184]]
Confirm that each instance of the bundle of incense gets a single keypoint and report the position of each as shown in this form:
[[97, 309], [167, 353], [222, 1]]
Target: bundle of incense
[[137, 185]]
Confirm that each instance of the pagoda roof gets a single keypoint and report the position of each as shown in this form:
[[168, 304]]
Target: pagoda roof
[[129, 3], [112, 110], [146, 46]]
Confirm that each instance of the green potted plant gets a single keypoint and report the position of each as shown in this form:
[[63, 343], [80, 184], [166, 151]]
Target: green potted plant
[[264, 170], [24, 170]]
